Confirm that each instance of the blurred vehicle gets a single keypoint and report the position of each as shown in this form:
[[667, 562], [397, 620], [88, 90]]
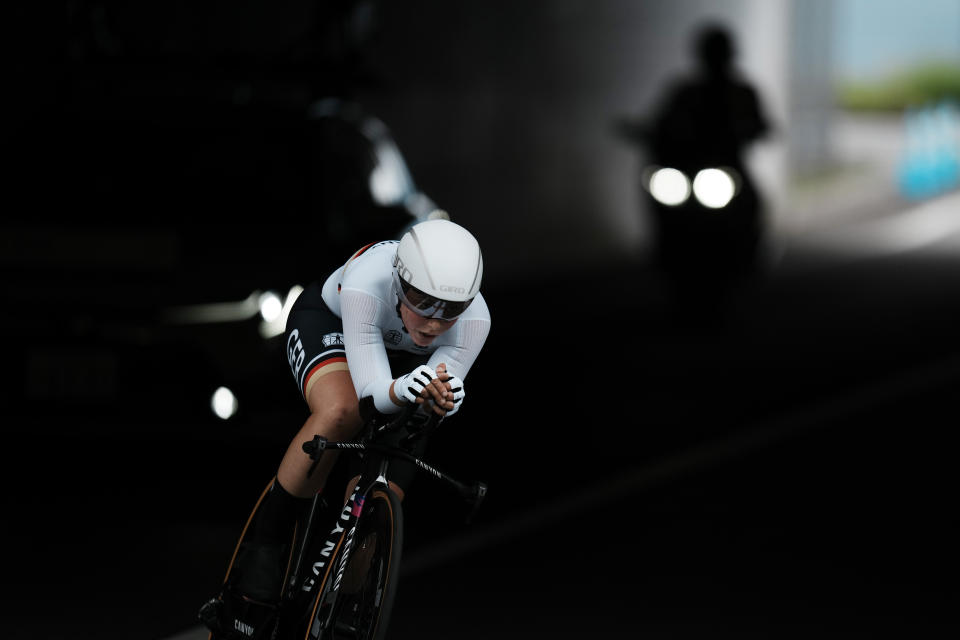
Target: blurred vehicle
[[155, 247], [704, 217], [360, 179], [706, 213]]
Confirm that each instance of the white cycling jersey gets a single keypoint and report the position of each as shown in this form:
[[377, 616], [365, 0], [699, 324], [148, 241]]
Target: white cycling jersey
[[361, 294]]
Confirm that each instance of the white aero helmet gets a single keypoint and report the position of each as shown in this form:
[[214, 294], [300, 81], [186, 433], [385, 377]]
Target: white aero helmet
[[438, 268]]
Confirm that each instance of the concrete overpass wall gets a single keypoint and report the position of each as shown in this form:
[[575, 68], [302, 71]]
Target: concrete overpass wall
[[505, 112]]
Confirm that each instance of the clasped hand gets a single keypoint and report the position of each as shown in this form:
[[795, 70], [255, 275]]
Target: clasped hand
[[443, 391]]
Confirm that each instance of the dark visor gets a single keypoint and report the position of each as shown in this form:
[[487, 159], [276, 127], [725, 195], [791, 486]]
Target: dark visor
[[426, 305]]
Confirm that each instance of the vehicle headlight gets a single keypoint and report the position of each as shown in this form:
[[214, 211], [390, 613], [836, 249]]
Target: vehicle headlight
[[669, 186], [270, 306], [223, 403], [714, 188]]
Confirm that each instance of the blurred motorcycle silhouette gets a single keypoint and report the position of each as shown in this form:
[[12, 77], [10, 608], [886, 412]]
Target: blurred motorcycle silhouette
[[703, 215], [707, 216]]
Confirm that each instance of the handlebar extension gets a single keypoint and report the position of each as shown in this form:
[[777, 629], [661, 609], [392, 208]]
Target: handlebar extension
[[475, 496], [315, 448]]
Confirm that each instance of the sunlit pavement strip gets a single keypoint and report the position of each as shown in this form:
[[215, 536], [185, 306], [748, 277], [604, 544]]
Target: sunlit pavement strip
[[197, 633], [914, 228]]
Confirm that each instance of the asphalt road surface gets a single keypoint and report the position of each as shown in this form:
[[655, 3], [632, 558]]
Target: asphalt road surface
[[781, 465]]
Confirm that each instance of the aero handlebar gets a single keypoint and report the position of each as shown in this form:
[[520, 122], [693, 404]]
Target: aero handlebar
[[474, 494]]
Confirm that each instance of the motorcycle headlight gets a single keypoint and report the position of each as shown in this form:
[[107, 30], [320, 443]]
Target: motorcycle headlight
[[715, 188], [669, 186]]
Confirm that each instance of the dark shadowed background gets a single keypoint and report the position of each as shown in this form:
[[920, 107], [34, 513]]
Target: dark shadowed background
[[669, 456]]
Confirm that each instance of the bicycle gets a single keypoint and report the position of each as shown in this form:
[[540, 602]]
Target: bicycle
[[343, 585]]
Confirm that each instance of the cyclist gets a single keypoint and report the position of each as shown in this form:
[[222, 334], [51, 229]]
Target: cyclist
[[401, 321]]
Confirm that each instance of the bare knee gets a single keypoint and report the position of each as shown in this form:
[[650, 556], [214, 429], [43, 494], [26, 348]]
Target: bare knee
[[334, 421], [337, 420]]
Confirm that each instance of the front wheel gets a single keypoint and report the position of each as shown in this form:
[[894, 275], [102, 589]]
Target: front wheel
[[357, 596]]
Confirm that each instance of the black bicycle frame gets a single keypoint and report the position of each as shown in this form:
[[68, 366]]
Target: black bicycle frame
[[347, 518], [344, 528]]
